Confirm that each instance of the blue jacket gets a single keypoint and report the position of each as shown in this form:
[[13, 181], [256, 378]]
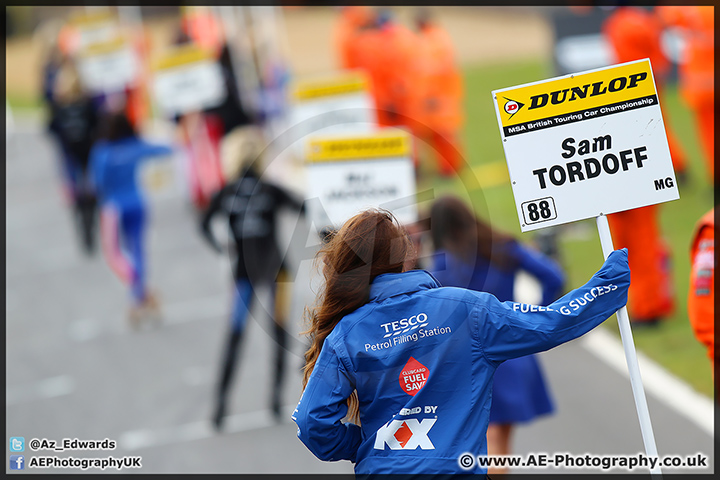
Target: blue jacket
[[422, 358], [519, 391], [484, 276], [114, 168]]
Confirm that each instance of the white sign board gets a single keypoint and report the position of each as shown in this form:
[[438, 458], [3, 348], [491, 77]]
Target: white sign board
[[108, 67], [188, 80], [328, 104], [586, 144], [348, 173]]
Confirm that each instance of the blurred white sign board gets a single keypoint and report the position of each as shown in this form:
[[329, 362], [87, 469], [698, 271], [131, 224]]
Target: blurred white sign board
[[348, 173], [108, 66], [187, 79], [330, 103], [91, 27]]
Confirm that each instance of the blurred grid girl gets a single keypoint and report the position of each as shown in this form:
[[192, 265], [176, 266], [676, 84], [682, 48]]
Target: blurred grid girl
[[115, 161], [470, 254]]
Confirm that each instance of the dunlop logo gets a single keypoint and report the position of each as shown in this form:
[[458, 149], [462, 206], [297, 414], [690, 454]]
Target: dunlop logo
[[598, 88], [553, 102]]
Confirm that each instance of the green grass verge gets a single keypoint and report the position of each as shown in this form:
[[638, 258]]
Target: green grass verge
[[672, 344], [20, 101]]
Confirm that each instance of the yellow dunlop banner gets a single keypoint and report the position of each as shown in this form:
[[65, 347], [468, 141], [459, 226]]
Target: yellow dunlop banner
[[369, 146], [181, 56], [90, 19], [576, 97], [342, 84], [101, 48]]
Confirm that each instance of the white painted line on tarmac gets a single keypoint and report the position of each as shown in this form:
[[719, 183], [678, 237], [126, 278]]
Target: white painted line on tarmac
[[200, 430], [48, 388], [667, 388]]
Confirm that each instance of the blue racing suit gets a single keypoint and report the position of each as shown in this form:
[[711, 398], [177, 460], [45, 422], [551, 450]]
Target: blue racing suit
[[114, 168], [422, 359]]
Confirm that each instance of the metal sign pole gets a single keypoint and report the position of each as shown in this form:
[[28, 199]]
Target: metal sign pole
[[631, 356], [250, 73]]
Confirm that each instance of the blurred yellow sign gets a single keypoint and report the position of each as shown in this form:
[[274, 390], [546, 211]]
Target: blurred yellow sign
[[104, 47], [339, 84], [181, 55], [91, 18], [364, 146]]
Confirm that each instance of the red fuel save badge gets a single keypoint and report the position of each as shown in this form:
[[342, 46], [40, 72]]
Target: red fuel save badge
[[413, 376]]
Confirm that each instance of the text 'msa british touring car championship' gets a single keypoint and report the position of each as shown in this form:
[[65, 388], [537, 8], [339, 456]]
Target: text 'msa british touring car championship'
[[585, 144]]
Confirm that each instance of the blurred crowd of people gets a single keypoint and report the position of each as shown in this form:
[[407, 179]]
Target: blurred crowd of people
[[635, 33], [414, 75], [101, 149], [98, 132]]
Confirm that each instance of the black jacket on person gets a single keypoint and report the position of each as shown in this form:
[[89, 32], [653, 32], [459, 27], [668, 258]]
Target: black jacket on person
[[75, 124], [251, 206], [232, 111]]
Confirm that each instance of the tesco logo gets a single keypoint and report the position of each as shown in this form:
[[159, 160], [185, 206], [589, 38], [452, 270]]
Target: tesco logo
[[405, 325]]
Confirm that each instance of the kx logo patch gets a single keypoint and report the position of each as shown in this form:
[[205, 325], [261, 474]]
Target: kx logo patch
[[512, 107], [405, 435]]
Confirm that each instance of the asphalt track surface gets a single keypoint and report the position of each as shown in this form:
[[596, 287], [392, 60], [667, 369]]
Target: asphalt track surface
[[75, 369]]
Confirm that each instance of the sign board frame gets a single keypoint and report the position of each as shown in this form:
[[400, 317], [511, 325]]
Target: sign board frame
[[109, 66], [187, 79], [572, 142], [626, 89]]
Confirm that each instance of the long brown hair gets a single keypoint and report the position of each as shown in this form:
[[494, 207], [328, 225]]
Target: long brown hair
[[456, 229], [369, 244]]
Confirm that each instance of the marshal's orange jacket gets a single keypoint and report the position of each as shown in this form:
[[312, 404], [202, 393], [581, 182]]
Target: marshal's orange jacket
[[701, 309]]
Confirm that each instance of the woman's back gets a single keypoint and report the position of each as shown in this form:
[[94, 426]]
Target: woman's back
[[398, 373], [402, 351], [421, 358]]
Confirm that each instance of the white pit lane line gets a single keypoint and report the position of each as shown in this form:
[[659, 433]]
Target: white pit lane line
[[657, 381], [664, 386]]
